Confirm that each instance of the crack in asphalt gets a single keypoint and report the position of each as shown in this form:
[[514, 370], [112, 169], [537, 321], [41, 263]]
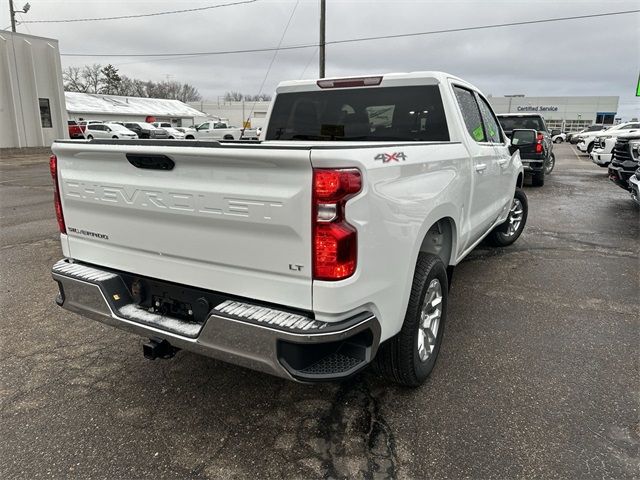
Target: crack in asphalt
[[378, 441]]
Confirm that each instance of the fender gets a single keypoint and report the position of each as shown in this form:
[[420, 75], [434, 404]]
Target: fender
[[447, 210]]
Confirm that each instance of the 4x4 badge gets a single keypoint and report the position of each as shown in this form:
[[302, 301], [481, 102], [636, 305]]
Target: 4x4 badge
[[391, 157]]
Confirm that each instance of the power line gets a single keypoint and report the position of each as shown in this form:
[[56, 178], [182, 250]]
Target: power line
[[189, 54], [351, 40], [156, 14], [273, 59], [275, 53], [498, 25]]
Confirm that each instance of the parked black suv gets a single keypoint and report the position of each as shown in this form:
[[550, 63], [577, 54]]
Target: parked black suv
[[625, 159], [146, 130], [539, 160]]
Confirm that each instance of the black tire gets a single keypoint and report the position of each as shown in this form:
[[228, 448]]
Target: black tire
[[537, 179], [190, 137], [398, 359], [171, 138], [558, 140], [89, 137], [549, 164], [228, 137], [115, 137], [590, 148], [499, 236]]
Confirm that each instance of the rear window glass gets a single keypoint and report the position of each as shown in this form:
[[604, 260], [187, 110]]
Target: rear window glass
[[528, 122], [368, 114]]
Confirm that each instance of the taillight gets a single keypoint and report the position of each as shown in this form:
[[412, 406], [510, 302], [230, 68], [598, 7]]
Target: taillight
[[539, 139], [335, 241], [53, 168]]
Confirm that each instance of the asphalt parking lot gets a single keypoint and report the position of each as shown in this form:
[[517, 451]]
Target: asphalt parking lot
[[538, 375]]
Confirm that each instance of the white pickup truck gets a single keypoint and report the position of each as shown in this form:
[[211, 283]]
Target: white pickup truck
[[215, 130], [328, 245]]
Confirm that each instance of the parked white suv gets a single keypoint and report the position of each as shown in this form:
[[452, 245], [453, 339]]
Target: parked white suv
[[109, 130], [605, 141], [309, 255], [586, 140]]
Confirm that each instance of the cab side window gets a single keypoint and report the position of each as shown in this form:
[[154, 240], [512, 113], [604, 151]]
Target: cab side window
[[491, 125], [470, 113]]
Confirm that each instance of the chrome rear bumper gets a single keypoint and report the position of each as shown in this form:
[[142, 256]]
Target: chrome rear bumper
[[248, 334]]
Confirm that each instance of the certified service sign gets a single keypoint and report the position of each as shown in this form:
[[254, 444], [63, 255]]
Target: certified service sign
[[537, 108]]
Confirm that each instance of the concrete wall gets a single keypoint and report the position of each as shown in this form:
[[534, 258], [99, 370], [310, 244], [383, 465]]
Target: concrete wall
[[235, 112], [30, 70]]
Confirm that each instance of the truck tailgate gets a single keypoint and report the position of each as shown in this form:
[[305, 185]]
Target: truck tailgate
[[234, 219]]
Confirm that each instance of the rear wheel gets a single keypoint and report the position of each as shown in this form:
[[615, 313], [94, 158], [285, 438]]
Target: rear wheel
[[115, 137], [409, 357], [509, 231], [558, 140], [549, 164], [590, 148], [90, 137], [190, 137]]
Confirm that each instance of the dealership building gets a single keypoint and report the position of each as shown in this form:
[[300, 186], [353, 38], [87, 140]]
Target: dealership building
[[565, 113]]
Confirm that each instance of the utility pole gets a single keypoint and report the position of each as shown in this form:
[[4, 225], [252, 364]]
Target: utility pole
[[12, 14], [323, 8]]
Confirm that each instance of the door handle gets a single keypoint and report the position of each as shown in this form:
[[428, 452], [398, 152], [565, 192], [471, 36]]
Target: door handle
[[481, 167], [502, 162]]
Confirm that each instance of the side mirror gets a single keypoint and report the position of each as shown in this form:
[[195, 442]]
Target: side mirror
[[522, 138], [555, 132]]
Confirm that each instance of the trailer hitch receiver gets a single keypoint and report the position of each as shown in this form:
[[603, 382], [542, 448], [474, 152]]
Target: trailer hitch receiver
[[158, 348]]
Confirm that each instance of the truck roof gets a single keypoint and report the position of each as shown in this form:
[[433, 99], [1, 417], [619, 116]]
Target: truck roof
[[387, 80]]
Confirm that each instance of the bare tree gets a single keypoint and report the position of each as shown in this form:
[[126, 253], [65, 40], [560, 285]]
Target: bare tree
[[92, 77], [72, 79], [188, 93], [98, 79], [233, 97], [237, 97]]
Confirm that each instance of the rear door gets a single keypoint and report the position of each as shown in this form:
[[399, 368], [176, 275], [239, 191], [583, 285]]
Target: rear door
[[235, 220], [504, 176], [485, 198]]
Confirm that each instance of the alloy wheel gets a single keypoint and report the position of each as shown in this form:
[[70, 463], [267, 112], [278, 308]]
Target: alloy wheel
[[515, 217], [430, 316]]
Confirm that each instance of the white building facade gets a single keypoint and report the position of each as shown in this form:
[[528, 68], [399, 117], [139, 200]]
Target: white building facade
[[32, 106], [236, 113], [565, 113]]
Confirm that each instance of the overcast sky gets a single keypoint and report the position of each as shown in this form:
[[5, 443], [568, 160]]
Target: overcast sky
[[597, 56]]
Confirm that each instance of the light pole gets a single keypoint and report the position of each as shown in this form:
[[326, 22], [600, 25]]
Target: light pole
[[12, 13], [323, 8]]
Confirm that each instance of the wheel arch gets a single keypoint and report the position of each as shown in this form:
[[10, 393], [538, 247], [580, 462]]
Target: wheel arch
[[440, 239]]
